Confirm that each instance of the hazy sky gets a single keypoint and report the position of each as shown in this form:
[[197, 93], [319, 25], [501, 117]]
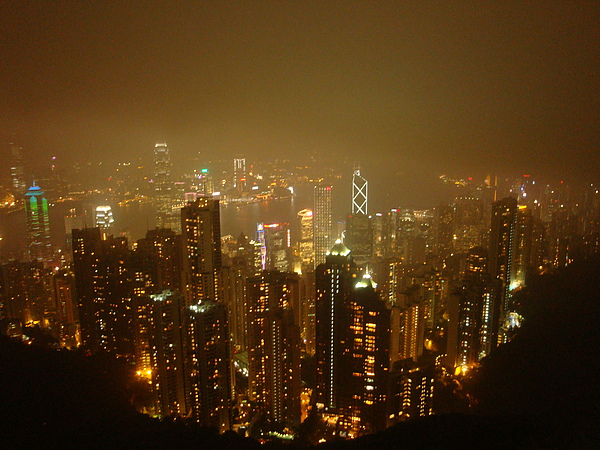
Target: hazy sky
[[417, 86]]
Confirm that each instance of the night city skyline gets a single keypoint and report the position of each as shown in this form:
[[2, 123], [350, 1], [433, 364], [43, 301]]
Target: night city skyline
[[301, 224]]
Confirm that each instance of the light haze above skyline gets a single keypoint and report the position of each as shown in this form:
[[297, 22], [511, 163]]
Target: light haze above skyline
[[414, 87]]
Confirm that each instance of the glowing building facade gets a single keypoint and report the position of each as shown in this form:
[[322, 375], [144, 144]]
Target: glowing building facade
[[201, 243], [163, 188], [323, 222], [335, 280], [104, 219], [360, 193], [276, 248], [239, 174], [207, 361], [274, 346], [306, 243], [103, 278], [38, 224]]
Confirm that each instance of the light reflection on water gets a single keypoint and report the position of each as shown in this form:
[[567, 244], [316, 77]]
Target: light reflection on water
[[137, 218]]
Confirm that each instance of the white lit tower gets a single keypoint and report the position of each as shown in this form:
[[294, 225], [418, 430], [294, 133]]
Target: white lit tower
[[163, 186], [239, 173], [359, 231], [104, 219], [323, 222], [359, 193]]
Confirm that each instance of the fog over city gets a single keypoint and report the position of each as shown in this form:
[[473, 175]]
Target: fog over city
[[416, 88]]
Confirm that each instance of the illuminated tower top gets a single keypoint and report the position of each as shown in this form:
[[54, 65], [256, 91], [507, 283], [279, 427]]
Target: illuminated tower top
[[359, 193]]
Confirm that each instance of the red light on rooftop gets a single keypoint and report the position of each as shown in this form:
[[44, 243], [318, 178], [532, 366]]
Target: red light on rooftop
[[526, 176]]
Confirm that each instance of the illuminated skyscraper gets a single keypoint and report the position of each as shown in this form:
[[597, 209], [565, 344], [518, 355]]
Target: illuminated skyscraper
[[103, 279], [306, 244], [167, 355], [208, 368], [274, 346], [502, 259], [160, 252], [201, 241], [359, 193], [335, 280], [362, 396], [323, 222], [359, 237], [16, 169], [239, 174], [63, 294], [476, 323], [468, 223], [104, 219], [38, 224], [276, 248], [207, 343], [163, 187]]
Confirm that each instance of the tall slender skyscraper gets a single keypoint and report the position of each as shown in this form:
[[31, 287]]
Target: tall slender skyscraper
[[208, 367], [16, 169], [477, 323], [359, 193], [163, 187], [276, 248], [335, 280], [38, 224], [103, 279], [468, 223], [239, 173], [323, 222], [502, 258], [362, 397], [274, 346], [359, 237], [201, 239], [306, 243]]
